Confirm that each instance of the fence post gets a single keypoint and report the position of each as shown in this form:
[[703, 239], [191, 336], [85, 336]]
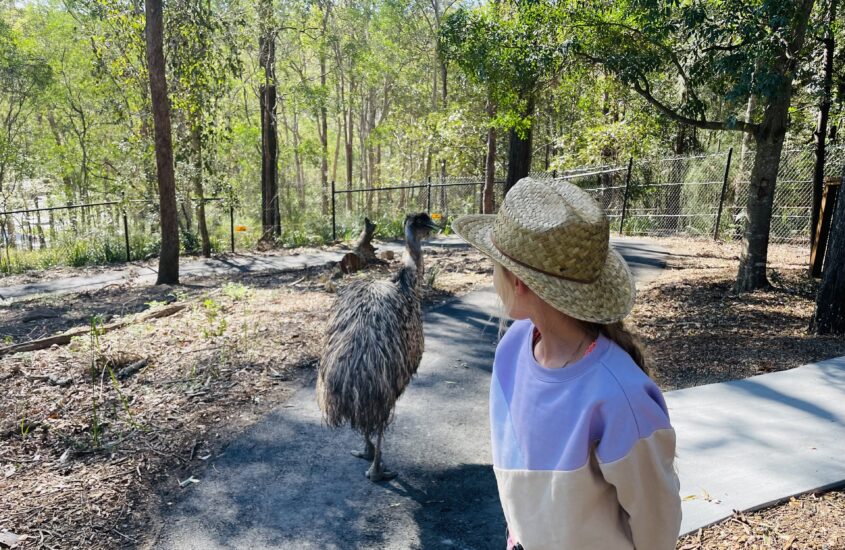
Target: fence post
[[722, 196], [625, 199], [334, 222], [428, 204], [231, 220], [125, 227]]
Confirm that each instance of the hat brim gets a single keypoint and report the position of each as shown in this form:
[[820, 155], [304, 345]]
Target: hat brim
[[606, 300]]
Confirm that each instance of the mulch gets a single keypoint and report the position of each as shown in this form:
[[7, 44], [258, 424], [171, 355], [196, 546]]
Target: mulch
[[88, 464]]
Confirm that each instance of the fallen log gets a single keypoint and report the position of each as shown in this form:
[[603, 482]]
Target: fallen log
[[65, 338], [131, 369]]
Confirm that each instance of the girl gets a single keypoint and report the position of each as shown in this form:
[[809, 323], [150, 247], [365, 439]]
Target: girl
[[583, 450]]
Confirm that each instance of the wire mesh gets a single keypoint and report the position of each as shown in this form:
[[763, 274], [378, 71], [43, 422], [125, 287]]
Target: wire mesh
[[34, 236], [444, 198], [793, 199]]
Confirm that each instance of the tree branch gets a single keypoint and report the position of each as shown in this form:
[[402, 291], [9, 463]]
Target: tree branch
[[704, 124]]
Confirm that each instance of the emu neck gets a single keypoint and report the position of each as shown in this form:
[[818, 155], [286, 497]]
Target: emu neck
[[413, 251]]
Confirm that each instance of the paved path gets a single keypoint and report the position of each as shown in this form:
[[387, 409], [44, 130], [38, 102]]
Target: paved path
[[743, 445], [290, 482], [643, 255]]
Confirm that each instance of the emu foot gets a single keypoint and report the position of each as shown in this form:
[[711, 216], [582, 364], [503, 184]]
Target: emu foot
[[369, 452], [377, 473]]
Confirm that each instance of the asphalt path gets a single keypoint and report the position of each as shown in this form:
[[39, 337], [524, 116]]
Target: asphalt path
[[290, 482], [641, 254]]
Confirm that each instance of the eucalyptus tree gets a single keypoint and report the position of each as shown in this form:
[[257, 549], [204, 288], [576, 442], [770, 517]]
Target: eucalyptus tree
[[515, 50], [168, 262], [271, 226], [728, 50]]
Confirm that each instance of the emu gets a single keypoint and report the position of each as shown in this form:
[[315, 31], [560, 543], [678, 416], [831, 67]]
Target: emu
[[373, 346]]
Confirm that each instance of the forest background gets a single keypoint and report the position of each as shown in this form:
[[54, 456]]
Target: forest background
[[374, 94]]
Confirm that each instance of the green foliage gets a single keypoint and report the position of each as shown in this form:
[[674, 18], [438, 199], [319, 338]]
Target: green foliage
[[215, 321], [236, 291], [700, 60], [509, 47]]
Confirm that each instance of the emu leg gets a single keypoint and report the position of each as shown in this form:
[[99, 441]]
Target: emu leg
[[369, 451], [377, 472]]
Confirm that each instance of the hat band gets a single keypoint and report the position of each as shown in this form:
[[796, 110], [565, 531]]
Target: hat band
[[543, 271]]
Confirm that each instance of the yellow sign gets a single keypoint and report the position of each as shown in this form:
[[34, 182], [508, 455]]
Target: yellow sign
[[436, 217], [240, 228]]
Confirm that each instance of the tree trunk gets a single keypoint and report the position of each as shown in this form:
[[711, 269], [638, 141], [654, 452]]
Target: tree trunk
[[489, 165], [168, 263], [270, 216], [519, 152], [761, 194], [348, 142], [196, 140], [769, 139], [829, 317], [820, 134], [324, 115]]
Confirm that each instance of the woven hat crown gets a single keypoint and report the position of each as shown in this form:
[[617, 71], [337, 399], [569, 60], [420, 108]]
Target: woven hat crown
[[555, 228]]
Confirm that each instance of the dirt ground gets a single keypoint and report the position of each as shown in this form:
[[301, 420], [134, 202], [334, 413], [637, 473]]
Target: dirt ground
[[86, 454]]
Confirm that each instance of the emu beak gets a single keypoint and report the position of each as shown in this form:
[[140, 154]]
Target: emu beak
[[433, 226]]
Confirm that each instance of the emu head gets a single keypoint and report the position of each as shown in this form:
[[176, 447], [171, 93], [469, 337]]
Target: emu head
[[419, 226]]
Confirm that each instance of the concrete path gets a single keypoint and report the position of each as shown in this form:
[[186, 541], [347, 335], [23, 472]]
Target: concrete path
[[746, 444], [643, 255]]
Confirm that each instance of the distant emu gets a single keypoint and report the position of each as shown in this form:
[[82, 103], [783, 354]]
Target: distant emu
[[373, 346]]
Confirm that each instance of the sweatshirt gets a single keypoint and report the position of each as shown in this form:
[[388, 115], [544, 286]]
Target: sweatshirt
[[584, 454]]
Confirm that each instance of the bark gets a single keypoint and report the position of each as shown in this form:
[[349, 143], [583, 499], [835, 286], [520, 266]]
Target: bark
[[324, 115], [270, 215], [519, 153], [761, 193], [168, 264], [829, 317], [489, 192], [820, 135], [348, 144]]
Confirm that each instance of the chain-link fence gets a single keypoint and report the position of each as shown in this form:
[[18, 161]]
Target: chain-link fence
[[687, 195], [38, 237], [447, 197]]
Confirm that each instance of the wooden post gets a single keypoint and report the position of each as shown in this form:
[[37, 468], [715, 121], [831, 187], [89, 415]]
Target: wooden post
[[334, 221], [625, 200], [722, 196], [125, 229], [828, 204], [231, 220]]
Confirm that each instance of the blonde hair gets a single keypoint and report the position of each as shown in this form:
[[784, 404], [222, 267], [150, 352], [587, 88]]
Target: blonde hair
[[503, 281]]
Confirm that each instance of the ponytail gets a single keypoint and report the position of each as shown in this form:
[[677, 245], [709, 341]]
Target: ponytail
[[626, 340]]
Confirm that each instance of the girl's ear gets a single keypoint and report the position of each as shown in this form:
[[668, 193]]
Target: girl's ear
[[519, 287]]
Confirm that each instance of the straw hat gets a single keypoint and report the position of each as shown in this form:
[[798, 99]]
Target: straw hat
[[555, 238]]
